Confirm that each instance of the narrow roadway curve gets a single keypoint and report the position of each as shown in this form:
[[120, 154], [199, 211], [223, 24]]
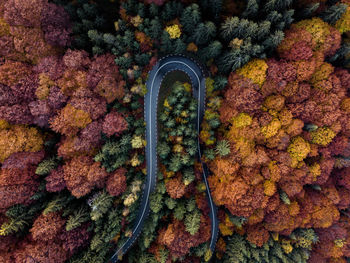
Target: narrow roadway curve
[[156, 76]]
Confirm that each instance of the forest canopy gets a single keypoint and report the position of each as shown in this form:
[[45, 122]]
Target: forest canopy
[[274, 135]]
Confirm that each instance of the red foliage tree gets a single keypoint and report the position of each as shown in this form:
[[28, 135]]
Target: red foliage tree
[[75, 239], [46, 252], [116, 182], [81, 174], [46, 227], [18, 181], [287, 121], [179, 241], [86, 142], [34, 30], [55, 180], [114, 124], [175, 187], [257, 234]]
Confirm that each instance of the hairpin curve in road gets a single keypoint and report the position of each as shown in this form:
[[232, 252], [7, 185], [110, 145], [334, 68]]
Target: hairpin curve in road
[[156, 76]]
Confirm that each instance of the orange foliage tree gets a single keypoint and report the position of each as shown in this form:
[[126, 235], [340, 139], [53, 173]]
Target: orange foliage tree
[[286, 121], [81, 174]]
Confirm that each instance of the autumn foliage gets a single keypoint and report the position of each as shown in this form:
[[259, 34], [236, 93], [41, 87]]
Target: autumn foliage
[[286, 120], [179, 241], [51, 99], [275, 131]]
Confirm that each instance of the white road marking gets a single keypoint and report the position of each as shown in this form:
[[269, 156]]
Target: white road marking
[[151, 143]]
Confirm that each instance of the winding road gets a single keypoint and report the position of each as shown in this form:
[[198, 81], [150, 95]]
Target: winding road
[[156, 76]]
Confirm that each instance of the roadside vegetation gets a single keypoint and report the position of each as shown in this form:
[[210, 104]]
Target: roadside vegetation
[[275, 133]]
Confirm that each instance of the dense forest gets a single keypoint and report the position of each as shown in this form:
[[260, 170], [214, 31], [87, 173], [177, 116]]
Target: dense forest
[[275, 133]]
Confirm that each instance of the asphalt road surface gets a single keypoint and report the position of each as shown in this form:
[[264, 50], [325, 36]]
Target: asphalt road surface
[[156, 75]]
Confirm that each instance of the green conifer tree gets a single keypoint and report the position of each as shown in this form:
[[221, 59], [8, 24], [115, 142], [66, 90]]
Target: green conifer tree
[[222, 148], [155, 28], [192, 221], [78, 217], [190, 18], [100, 205], [46, 166], [332, 14], [284, 197]]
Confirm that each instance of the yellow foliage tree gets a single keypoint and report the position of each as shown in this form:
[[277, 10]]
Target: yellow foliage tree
[[174, 31], [70, 120], [299, 148], [322, 136], [254, 70], [18, 138]]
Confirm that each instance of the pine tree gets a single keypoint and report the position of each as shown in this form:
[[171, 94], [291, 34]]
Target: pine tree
[[12, 226], [233, 60], [21, 217], [332, 14], [204, 32], [141, 10], [153, 10], [171, 10], [201, 250], [274, 17], [263, 29], [341, 57], [180, 211], [46, 166], [142, 59], [209, 154], [188, 176], [237, 220], [288, 18], [77, 218], [192, 221], [156, 202], [96, 37], [229, 27], [114, 154], [170, 123], [220, 82], [163, 150], [238, 249], [86, 15], [155, 29], [179, 46], [222, 148], [164, 253], [307, 11], [252, 35], [190, 18], [109, 39], [191, 205], [186, 159], [166, 43], [175, 163], [58, 203], [214, 123], [142, 257], [284, 197], [100, 205], [251, 9], [273, 40], [170, 203], [130, 6], [276, 5], [113, 226]]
